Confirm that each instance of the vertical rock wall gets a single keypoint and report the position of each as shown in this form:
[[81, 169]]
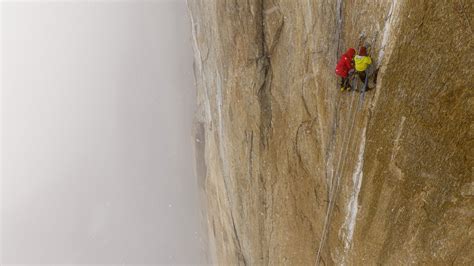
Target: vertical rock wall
[[296, 172]]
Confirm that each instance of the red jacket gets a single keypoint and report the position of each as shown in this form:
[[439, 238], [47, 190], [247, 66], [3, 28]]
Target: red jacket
[[344, 65]]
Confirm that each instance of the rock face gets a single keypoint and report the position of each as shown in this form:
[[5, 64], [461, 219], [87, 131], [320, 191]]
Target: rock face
[[296, 172]]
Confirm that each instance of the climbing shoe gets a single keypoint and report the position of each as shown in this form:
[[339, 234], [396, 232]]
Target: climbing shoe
[[342, 88]]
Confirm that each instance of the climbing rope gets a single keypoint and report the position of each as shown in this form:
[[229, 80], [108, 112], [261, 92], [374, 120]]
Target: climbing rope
[[335, 181]]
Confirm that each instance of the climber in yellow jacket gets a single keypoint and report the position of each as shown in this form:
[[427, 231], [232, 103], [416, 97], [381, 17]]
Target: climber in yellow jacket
[[362, 62]]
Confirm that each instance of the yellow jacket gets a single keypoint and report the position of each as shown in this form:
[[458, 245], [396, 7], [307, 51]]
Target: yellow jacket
[[362, 62]]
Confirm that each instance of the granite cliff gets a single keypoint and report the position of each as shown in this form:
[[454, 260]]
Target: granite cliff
[[294, 172]]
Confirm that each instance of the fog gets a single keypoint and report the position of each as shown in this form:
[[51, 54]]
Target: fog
[[96, 148]]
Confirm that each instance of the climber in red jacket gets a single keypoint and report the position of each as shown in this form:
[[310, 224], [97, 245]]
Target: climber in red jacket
[[345, 67]]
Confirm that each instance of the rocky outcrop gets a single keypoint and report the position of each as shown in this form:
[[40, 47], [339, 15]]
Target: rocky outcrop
[[296, 172]]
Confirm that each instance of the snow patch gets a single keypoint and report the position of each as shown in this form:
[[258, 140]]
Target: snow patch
[[220, 120], [387, 28], [352, 206], [197, 57], [198, 61]]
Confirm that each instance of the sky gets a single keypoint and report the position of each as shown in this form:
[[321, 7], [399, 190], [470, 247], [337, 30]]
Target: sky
[[97, 103]]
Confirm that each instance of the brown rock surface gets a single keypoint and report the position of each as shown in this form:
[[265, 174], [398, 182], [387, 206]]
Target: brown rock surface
[[296, 172]]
